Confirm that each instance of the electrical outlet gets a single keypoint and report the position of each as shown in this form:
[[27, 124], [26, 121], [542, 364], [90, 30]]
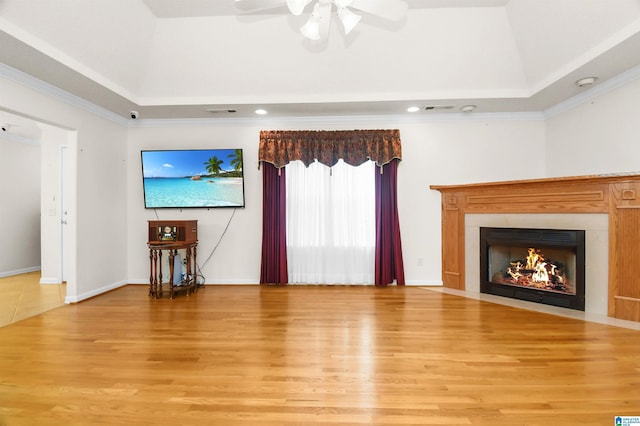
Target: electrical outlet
[[421, 261]]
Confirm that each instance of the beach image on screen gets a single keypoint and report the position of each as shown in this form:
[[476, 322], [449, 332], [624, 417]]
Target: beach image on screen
[[193, 178]]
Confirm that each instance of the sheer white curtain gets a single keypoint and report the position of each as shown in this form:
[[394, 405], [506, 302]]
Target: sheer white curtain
[[330, 223]]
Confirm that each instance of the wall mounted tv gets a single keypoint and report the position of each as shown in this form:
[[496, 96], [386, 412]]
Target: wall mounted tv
[[192, 178]]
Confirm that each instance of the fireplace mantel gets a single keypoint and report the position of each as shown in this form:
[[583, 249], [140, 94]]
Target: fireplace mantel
[[616, 195]]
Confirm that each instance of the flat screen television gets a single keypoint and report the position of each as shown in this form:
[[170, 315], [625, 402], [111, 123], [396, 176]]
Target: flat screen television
[[192, 178]]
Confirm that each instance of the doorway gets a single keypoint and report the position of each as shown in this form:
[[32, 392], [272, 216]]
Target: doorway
[[48, 251], [58, 206]]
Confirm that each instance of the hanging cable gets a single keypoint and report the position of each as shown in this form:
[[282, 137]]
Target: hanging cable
[[198, 267]]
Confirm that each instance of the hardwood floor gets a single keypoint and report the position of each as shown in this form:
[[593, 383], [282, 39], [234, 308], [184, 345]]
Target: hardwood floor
[[23, 296], [303, 355]]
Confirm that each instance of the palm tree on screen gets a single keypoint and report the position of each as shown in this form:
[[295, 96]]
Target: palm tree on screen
[[236, 159], [213, 165]]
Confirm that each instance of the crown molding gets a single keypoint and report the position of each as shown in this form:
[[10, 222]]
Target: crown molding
[[597, 90], [19, 139], [350, 120], [59, 94]]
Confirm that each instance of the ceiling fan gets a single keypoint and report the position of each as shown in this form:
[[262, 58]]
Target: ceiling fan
[[317, 27]]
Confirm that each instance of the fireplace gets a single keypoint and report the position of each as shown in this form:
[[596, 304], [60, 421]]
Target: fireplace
[[537, 265]]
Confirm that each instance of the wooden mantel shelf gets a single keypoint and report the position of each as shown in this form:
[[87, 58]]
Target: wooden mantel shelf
[[617, 195], [613, 177]]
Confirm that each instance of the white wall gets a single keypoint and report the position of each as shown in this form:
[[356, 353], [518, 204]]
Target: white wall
[[461, 149], [20, 205], [101, 206], [597, 137], [99, 225], [234, 260], [600, 136], [110, 219]]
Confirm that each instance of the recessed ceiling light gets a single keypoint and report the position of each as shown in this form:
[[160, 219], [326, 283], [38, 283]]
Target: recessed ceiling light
[[261, 111], [587, 81], [468, 108], [413, 109]]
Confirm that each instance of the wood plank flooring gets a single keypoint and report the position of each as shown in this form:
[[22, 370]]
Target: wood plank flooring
[[300, 355]]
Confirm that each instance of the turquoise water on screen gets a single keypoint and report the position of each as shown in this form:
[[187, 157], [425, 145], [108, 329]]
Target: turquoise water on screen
[[184, 192]]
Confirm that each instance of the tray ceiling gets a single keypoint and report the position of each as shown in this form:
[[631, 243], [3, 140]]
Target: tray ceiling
[[204, 58]]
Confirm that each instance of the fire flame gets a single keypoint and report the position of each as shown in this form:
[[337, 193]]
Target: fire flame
[[534, 258], [535, 262], [536, 271]]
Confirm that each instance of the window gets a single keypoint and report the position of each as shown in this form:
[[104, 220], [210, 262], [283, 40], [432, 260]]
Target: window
[[330, 223]]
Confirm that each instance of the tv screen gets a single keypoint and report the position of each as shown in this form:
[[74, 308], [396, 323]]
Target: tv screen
[[192, 178]]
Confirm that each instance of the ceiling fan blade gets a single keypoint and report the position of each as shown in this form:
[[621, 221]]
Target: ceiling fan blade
[[296, 7], [393, 10], [254, 5]]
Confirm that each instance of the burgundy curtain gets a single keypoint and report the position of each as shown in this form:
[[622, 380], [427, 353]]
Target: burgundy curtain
[[279, 147], [388, 259], [273, 269]]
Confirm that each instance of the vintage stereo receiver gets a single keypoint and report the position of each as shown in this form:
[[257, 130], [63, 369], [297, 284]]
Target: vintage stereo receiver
[[173, 231]]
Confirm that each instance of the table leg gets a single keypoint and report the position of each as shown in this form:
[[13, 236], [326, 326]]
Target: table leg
[[152, 290], [172, 255], [195, 269], [155, 269], [188, 278], [159, 280]]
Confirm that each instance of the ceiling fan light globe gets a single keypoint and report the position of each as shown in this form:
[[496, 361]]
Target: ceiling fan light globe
[[311, 29], [348, 18]]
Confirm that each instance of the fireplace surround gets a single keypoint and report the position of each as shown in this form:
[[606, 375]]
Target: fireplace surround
[[616, 196], [538, 265]]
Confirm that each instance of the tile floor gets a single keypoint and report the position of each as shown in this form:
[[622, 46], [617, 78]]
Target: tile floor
[[23, 296]]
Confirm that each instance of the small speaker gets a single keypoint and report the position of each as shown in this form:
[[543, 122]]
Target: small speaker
[[153, 233]]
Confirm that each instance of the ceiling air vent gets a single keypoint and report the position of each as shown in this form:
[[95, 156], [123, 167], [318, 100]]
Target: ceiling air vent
[[438, 107], [220, 111]]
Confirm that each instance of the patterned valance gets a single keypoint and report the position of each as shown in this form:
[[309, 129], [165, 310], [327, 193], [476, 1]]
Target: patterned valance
[[355, 147]]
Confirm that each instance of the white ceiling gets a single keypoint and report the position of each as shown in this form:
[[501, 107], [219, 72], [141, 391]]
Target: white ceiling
[[179, 59], [192, 8]]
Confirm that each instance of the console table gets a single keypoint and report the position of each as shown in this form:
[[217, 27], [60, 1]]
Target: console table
[[172, 235], [155, 267]]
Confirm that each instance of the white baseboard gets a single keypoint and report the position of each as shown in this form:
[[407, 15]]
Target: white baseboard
[[44, 280], [233, 282], [144, 281], [425, 283], [19, 271], [75, 299]]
